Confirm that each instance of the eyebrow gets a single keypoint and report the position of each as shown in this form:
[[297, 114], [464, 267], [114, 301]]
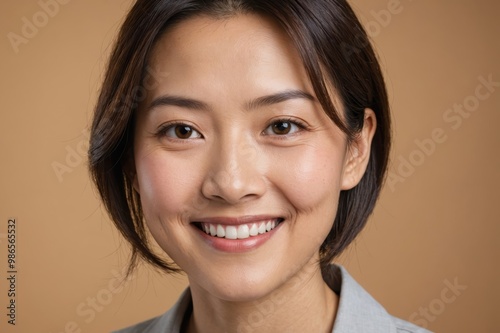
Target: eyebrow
[[189, 103], [278, 98], [182, 102]]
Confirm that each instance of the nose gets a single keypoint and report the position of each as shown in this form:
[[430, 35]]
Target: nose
[[236, 173]]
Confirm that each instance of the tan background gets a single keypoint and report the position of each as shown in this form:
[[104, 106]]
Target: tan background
[[439, 226]]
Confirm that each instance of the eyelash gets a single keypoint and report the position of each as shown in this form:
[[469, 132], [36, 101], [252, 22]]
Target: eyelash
[[301, 126], [163, 129]]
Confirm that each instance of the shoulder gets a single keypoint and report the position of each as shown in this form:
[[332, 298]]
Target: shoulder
[[403, 326], [170, 322], [358, 311], [146, 326]]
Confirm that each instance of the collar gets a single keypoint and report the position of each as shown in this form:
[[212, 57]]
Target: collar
[[357, 311]]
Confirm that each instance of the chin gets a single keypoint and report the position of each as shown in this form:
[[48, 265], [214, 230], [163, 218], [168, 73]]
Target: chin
[[240, 284]]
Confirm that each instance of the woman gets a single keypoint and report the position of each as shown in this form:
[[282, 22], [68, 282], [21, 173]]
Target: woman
[[250, 139]]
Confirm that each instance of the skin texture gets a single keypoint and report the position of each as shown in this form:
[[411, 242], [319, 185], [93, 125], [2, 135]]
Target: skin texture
[[231, 162]]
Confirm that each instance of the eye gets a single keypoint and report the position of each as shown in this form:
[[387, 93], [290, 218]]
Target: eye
[[283, 127], [180, 131]]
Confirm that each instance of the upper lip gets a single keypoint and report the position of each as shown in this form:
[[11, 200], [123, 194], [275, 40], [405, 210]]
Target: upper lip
[[223, 220]]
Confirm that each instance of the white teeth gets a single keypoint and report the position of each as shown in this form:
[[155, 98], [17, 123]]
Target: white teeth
[[254, 230], [213, 231], [231, 232], [242, 231], [220, 231]]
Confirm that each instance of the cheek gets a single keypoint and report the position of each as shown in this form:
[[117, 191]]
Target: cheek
[[165, 184], [310, 177]]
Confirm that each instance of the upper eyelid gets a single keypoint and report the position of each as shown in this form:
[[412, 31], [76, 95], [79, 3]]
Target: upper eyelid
[[165, 126], [297, 122], [161, 129], [302, 126]]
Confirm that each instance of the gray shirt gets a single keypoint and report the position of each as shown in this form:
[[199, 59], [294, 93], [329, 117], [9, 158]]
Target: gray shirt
[[358, 312]]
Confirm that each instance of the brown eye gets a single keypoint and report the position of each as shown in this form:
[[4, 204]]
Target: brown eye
[[282, 127], [181, 131]]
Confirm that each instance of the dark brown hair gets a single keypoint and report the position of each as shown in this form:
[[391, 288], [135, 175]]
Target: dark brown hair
[[334, 49]]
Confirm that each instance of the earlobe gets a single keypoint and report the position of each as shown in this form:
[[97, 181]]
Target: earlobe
[[358, 152]]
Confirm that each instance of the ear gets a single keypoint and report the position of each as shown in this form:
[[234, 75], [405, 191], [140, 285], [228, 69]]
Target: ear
[[358, 152]]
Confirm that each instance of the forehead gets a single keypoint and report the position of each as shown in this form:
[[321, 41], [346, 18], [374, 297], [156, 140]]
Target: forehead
[[244, 51]]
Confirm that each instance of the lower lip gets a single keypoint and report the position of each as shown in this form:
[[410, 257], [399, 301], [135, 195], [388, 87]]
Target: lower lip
[[237, 245]]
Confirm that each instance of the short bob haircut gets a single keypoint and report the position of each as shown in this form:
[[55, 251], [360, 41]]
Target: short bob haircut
[[336, 53]]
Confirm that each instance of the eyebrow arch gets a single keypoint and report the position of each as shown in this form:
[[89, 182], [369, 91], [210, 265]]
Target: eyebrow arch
[[182, 102], [279, 98], [189, 103]]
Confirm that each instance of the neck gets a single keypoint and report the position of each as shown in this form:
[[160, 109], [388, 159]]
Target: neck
[[304, 304]]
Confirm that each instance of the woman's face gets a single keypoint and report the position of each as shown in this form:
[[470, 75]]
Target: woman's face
[[238, 168]]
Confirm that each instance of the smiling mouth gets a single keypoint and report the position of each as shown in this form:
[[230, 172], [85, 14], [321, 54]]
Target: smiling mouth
[[241, 231]]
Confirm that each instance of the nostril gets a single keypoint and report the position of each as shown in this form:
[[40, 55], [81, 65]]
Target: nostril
[[233, 186]]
